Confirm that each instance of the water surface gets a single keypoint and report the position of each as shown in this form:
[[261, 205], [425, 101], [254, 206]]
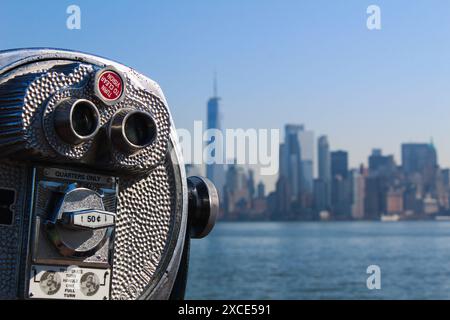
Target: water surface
[[321, 261]]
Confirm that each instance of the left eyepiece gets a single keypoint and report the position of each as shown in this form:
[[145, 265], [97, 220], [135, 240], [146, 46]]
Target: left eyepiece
[[76, 120]]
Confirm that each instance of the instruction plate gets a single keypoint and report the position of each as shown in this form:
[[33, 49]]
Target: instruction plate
[[70, 283]]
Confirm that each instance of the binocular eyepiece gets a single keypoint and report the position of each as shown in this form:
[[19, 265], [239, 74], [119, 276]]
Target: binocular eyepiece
[[76, 120], [94, 198], [132, 130]]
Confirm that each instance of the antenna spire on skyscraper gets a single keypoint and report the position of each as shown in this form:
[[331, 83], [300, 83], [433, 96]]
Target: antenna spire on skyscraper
[[215, 84]]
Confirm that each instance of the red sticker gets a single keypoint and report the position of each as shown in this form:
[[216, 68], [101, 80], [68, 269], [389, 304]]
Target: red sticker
[[110, 85]]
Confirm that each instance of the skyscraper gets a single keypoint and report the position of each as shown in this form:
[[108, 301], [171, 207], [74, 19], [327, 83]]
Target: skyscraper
[[251, 183], [323, 149], [291, 165], [296, 159], [341, 185], [359, 192], [307, 178], [215, 171], [261, 190], [381, 165], [237, 199], [375, 197], [306, 138], [321, 201], [416, 157], [420, 158], [339, 164], [282, 200]]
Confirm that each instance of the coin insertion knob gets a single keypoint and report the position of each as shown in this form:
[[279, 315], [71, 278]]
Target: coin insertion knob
[[203, 206], [79, 225]]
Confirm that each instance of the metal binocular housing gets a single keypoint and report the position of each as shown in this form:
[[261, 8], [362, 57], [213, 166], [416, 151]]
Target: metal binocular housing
[[94, 198]]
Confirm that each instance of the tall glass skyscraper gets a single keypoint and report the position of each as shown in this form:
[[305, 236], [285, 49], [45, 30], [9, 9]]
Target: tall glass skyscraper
[[339, 164], [215, 171], [420, 158], [324, 159], [416, 157], [306, 138], [296, 159], [291, 159], [324, 156]]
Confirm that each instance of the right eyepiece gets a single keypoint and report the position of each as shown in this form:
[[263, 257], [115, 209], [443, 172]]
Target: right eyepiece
[[132, 130]]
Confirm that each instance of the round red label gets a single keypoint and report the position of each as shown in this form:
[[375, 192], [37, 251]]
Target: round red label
[[110, 85]]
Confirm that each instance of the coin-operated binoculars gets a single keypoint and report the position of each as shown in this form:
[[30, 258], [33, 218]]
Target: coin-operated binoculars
[[94, 201]]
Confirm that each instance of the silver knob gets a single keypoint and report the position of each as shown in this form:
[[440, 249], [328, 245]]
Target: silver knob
[[203, 206]]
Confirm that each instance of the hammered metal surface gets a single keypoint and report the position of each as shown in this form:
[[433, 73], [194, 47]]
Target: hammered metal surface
[[11, 177], [145, 212], [22, 99], [38, 93]]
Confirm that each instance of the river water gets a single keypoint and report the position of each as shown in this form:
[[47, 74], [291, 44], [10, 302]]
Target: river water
[[323, 260]]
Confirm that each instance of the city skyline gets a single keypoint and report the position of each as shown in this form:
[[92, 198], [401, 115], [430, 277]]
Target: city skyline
[[308, 149], [417, 187]]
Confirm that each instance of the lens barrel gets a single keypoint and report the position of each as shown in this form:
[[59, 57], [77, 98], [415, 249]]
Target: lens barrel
[[76, 120], [132, 130]]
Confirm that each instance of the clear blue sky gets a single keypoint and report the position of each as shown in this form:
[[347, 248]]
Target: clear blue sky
[[311, 62]]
